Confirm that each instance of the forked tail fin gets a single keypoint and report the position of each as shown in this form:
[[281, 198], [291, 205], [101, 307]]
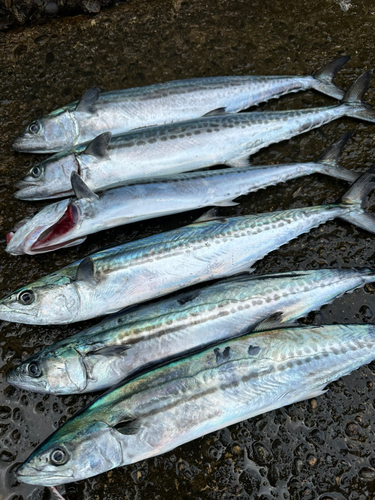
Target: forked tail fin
[[354, 199], [327, 163], [356, 107], [324, 78]]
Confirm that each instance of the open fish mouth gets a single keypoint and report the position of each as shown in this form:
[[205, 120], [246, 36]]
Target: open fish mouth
[[35, 237], [47, 239]]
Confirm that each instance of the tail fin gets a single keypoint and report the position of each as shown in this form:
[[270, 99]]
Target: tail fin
[[325, 75], [353, 98], [354, 199], [327, 161]]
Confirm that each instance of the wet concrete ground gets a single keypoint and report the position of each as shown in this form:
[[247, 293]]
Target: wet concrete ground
[[321, 448]]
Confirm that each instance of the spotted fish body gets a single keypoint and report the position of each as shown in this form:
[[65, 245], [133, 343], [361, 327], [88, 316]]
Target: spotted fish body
[[117, 277], [103, 355], [68, 222], [120, 111], [223, 385], [181, 147]]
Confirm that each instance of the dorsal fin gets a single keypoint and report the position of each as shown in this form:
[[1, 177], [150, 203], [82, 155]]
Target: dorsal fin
[[215, 112], [80, 188], [98, 147], [210, 215], [86, 271], [128, 426], [87, 101]]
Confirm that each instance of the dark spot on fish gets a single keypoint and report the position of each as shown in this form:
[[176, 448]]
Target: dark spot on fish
[[222, 356], [253, 350]]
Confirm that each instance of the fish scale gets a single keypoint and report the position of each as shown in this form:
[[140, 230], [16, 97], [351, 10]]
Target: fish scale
[[170, 405], [151, 334]]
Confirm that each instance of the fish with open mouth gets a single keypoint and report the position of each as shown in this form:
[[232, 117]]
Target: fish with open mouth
[[101, 356], [120, 111], [127, 274], [66, 223], [109, 161], [181, 401]]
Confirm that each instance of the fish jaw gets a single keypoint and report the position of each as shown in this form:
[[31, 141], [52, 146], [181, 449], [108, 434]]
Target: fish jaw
[[98, 450], [54, 132], [49, 179], [30, 233], [42, 303]]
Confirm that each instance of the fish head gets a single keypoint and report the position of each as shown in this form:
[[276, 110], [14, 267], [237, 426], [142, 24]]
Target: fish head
[[54, 132], [53, 299], [76, 451], [50, 229], [57, 369], [49, 179]]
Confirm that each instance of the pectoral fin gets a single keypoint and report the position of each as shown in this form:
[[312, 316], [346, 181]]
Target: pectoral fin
[[87, 101], [98, 147], [80, 188], [86, 271]]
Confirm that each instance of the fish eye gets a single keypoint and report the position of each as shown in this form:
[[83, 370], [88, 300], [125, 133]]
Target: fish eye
[[26, 297], [34, 128], [36, 171], [33, 369], [59, 456]]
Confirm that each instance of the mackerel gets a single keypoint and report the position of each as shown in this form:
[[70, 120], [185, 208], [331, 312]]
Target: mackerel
[[68, 222], [181, 147], [120, 111], [179, 402], [114, 278], [101, 356]]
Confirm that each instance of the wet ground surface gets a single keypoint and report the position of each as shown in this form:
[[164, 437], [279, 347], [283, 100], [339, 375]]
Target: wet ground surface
[[321, 448]]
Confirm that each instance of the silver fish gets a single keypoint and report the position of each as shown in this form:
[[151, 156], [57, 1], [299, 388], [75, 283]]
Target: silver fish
[[120, 111], [114, 278], [182, 147], [174, 404], [103, 355], [66, 223]]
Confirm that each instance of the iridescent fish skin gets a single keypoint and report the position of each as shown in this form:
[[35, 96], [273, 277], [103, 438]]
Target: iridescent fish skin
[[103, 355], [117, 277], [181, 401], [120, 111], [68, 222], [181, 147]]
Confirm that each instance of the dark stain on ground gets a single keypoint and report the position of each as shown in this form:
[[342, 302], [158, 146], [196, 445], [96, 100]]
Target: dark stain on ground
[[318, 449]]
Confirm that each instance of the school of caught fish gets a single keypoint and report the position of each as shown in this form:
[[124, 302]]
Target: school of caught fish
[[186, 365]]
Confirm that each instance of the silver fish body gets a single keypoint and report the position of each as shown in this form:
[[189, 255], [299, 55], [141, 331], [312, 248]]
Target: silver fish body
[[181, 147], [103, 355], [223, 385], [114, 278], [120, 111], [68, 222]]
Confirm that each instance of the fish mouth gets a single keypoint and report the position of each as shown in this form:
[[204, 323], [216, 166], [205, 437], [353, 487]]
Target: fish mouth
[[31, 191], [37, 477], [46, 241]]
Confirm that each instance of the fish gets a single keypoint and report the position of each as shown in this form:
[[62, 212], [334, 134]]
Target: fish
[[211, 248], [68, 222], [228, 139], [124, 344], [120, 111], [181, 401]]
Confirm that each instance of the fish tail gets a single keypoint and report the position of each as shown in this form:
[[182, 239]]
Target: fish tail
[[324, 78], [327, 163], [354, 199], [353, 99]]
